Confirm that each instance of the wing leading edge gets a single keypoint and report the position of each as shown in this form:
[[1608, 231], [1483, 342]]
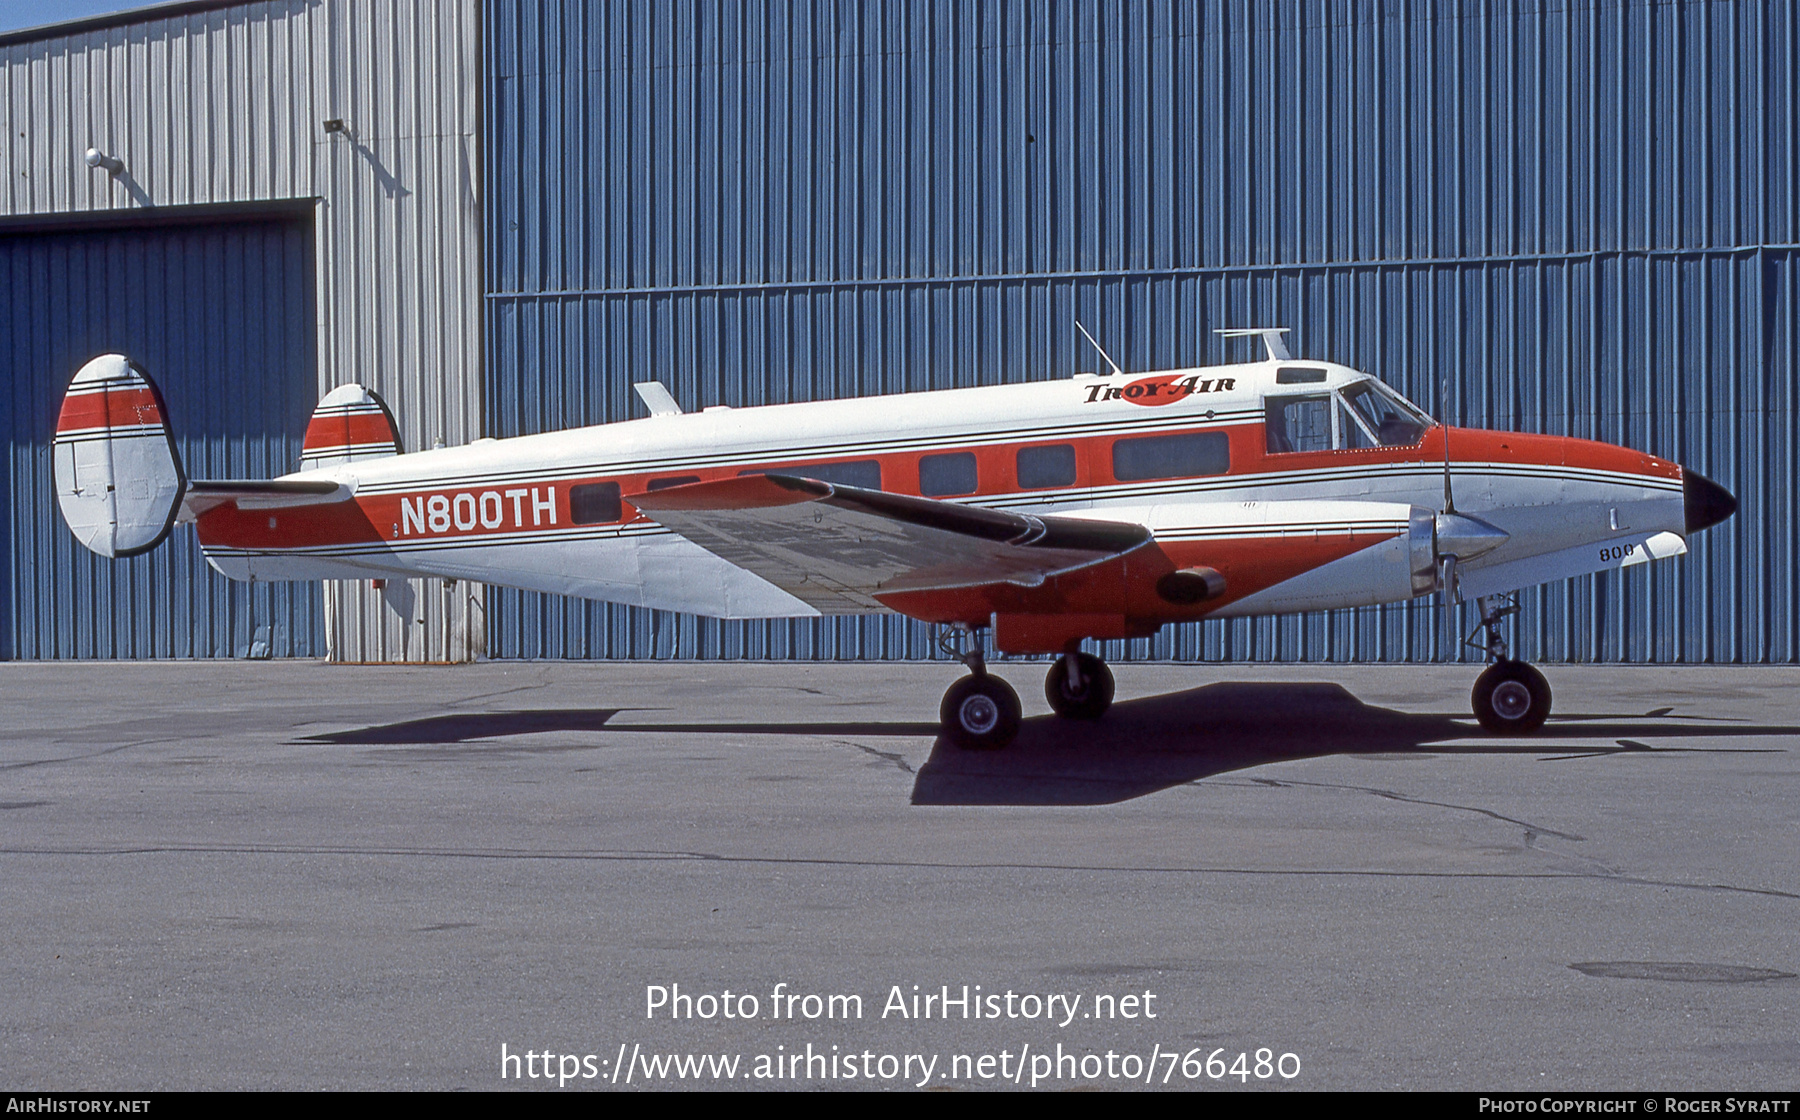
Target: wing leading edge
[[839, 548]]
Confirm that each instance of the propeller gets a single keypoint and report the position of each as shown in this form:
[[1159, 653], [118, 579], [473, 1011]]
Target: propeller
[[1457, 538]]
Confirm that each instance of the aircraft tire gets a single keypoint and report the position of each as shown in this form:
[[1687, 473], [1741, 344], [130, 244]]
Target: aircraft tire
[[1089, 702], [980, 713], [1511, 698]]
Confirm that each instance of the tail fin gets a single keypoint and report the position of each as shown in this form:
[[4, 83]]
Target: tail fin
[[351, 424], [118, 474]]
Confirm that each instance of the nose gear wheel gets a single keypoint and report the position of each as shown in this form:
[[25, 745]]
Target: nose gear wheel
[[1511, 698]]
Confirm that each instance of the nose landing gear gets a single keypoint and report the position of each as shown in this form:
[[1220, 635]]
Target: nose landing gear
[[1510, 697]]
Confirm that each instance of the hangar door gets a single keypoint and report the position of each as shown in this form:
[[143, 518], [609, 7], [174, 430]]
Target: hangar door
[[219, 311]]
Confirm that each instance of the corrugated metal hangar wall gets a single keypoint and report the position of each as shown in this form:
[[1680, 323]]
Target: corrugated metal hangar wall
[[251, 260], [1566, 217], [1582, 217], [228, 303]]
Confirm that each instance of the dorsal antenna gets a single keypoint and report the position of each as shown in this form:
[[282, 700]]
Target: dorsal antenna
[[1115, 365], [1271, 336]]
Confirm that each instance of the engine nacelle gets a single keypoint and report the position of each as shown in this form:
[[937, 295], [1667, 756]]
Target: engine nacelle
[[1367, 552]]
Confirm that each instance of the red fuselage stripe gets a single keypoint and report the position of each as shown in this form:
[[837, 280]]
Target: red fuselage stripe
[[470, 510]]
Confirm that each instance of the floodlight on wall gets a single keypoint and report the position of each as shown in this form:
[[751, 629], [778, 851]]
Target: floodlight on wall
[[111, 164], [335, 125]]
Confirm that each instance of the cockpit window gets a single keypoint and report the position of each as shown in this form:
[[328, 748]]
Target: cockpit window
[[1301, 423], [1363, 416], [1385, 419]]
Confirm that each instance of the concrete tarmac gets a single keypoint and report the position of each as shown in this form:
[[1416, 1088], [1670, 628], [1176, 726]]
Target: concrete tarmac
[[293, 875]]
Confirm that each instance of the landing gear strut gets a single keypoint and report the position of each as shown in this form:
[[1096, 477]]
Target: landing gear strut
[[979, 712], [1510, 697], [1079, 686]]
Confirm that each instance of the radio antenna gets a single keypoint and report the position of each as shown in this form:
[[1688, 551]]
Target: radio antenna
[[1115, 365], [1444, 400], [1452, 593]]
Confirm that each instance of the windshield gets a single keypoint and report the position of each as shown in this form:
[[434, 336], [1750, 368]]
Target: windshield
[[1383, 417], [1363, 416]]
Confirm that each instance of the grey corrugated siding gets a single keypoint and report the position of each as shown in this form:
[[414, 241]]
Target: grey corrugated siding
[[1582, 216], [226, 105]]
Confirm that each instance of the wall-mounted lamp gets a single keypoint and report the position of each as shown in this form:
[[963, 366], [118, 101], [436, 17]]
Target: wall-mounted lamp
[[335, 125], [111, 164]]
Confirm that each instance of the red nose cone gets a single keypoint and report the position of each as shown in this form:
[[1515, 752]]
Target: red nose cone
[[1707, 503]]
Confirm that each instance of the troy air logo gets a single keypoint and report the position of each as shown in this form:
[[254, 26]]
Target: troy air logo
[[1164, 388]]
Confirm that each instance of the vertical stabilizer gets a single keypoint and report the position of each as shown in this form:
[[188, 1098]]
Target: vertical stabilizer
[[351, 424], [118, 474]]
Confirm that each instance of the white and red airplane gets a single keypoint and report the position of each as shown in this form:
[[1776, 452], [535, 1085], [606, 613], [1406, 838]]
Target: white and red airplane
[[1103, 506]]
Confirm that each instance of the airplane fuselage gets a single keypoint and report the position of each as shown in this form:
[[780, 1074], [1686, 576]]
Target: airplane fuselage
[[1261, 473]]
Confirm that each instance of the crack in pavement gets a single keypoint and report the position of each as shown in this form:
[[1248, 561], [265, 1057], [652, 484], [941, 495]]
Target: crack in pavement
[[1605, 869], [1532, 831], [85, 757], [892, 756], [1393, 796], [648, 856], [502, 692]]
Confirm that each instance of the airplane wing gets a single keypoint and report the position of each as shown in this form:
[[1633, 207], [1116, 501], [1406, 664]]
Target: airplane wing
[[837, 547]]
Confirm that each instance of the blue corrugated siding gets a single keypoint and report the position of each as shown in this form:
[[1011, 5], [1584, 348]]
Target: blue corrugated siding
[[1583, 217], [221, 315]]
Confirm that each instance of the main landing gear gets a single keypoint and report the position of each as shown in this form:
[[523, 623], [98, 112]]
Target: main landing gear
[[1510, 697], [1079, 686], [981, 712]]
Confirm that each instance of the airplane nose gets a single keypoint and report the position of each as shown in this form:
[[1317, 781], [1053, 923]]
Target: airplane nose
[[1706, 502]]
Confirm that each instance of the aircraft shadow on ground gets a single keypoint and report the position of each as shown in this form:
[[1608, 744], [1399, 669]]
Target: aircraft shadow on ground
[[1145, 745], [1151, 744], [461, 727]]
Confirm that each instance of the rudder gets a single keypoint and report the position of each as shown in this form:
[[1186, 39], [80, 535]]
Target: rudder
[[350, 424], [119, 478]]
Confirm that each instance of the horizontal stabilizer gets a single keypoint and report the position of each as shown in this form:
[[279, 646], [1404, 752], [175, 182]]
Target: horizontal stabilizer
[[287, 493], [837, 547], [118, 474]]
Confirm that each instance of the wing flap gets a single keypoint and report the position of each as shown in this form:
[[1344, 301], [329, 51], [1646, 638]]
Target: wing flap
[[838, 547]]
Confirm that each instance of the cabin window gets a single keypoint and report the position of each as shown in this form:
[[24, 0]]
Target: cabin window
[[1182, 455], [673, 480], [1040, 467], [1300, 423], [595, 503], [864, 473], [941, 475]]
